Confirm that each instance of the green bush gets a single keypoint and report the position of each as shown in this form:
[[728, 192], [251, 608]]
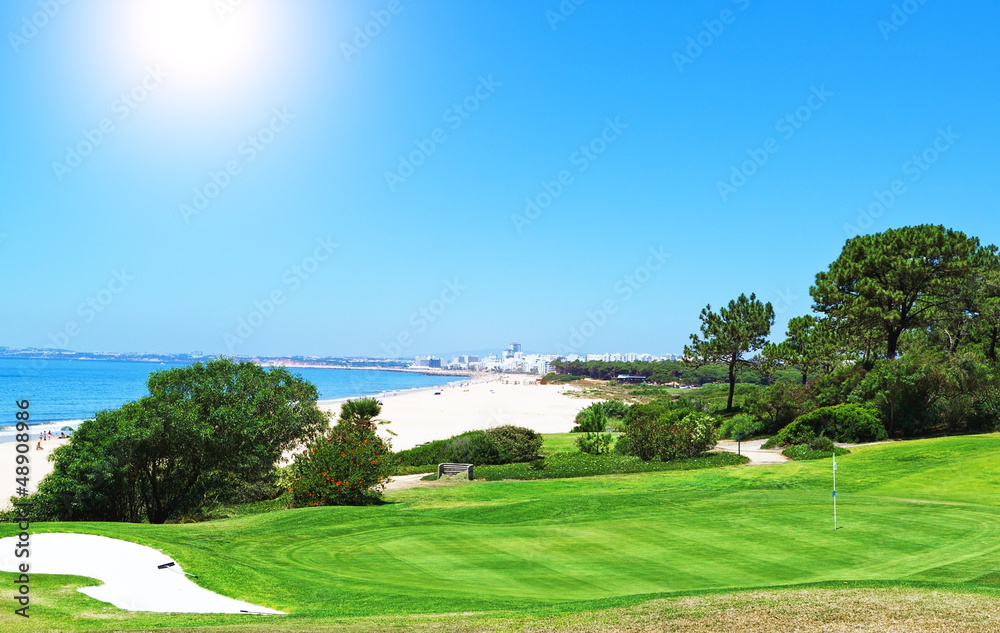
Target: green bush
[[851, 423], [623, 446], [777, 406], [514, 444], [593, 419], [672, 436], [798, 432], [743, 423], [821, 443], [440, 451], [595, 443], [599, 415], [471, 448], [500, 445], [615, 409], [656, 409]]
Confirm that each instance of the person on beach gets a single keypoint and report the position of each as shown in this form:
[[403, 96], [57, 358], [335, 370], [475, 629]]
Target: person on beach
[[39, 447]]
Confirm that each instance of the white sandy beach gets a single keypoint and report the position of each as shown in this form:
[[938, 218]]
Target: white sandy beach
[[417, 417], [39, 465], [420, 416]]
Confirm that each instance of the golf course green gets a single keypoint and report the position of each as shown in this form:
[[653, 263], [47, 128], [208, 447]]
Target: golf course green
[[922, 514]]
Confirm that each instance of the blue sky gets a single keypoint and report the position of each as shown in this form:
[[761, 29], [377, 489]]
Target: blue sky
[[288, 121]]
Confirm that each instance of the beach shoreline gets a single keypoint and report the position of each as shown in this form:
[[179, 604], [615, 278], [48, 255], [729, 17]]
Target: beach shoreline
[[417, 415], [38, 464], [423, 415]]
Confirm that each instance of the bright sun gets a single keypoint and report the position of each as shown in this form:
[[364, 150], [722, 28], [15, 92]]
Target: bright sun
[[199, 44]]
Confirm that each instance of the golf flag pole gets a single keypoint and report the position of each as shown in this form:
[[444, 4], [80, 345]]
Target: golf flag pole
[[834, 490]]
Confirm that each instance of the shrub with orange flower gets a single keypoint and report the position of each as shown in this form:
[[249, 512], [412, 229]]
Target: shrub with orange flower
[[333, 471]]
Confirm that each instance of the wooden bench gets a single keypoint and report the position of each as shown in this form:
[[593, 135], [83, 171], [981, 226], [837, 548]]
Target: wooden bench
[[454, 469]]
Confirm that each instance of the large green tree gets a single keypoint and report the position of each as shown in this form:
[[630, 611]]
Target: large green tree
[[730, 335], [984, 328], [202, 432], [886, 283], [808, 346]]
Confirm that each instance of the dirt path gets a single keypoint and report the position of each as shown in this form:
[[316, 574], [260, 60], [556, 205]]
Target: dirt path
[[753, 450], [402, 482]]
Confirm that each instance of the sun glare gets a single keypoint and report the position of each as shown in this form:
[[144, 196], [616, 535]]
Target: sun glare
[[201, 43]]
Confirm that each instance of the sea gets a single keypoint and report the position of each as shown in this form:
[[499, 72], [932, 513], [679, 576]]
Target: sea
[[63, 393]]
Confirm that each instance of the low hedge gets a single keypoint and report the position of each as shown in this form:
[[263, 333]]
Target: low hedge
[[565, 465], [803, 452], [499, 445], [416, 470]]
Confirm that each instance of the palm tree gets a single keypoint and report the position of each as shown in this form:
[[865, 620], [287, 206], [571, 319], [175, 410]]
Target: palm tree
[[361, 413]]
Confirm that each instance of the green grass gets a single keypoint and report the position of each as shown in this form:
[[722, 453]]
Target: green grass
[[559, 443], [563, 442], [917, 514]]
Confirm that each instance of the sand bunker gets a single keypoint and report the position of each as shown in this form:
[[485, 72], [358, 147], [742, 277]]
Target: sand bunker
[[129, 571]]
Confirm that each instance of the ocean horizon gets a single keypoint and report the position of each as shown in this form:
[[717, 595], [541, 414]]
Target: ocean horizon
[[66, 392]]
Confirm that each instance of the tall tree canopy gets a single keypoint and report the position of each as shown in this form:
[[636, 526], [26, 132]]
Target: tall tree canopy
[[737, 330], [808, 346], [887, 283], [202, 431], [984, 330]]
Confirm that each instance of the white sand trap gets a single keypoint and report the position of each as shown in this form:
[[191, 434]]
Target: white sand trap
[[129, 572]]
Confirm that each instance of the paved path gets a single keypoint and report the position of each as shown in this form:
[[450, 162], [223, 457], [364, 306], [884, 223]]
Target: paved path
[[401, 482], [753, 450]]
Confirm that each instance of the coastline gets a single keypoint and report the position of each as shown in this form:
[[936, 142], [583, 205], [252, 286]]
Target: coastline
[[422, 415], [406, 370], [417, 415]]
